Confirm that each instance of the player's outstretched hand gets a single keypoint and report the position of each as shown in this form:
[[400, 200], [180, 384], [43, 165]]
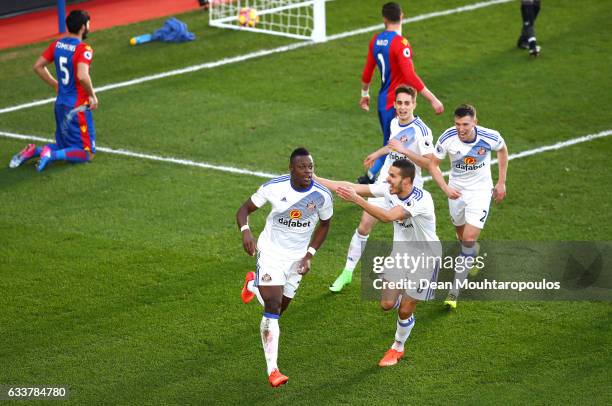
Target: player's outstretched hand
[[93, 102], [452, 193], [364, 103], [347, 193], [369, 160], [395, 144], [303, 266], [437, 106], [248, 243], [499, 192]]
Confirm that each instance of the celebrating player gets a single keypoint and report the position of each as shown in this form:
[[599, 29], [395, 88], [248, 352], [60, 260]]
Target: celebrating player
[[469, 189], [75, 136], [284, 248], [411, 210], [393, 55], [410, 139]]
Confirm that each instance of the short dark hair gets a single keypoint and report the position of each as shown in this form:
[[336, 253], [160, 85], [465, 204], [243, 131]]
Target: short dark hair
[[407, 169], [75, 20], [392, 12], [465, 110], [301, 151], [406, 89]]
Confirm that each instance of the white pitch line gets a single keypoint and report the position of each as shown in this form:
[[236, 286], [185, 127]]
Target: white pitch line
[[231, 169], [185, 162], [258, 54]]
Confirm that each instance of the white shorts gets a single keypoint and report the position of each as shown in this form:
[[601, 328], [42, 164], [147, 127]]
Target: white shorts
[[423, 291], [275, 271], [416, 282], [471, 208]]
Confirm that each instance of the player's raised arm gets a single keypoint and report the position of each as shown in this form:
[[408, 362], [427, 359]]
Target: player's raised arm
[[499, 192], [333, 185], [420, 160], [242, 219], [350, 195], [373, 157]]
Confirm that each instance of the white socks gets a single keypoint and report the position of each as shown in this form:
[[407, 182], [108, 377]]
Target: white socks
[[270, 333], [461, 271], [253, 289], [358, 243], [404, 327]]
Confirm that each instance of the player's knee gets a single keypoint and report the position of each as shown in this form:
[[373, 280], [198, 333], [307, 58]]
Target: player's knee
[[387, 305], [273, 306], [366, 224]]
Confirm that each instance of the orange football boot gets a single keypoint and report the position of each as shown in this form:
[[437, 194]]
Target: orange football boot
[[277, 379], [246, 295], [391, 358]]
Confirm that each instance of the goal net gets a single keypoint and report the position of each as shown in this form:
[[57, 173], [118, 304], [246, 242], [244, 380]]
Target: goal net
[[290, 18]]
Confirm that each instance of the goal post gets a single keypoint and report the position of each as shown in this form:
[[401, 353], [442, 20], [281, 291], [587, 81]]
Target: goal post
[[300, 19]]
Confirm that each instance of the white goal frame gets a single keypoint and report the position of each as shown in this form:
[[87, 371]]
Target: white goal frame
[[218, 7]]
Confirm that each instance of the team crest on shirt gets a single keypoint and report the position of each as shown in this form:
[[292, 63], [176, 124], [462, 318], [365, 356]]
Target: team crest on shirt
[[404, 138], [295, 214], [83, 128], [266, 278], [469, 160], [311, 206], [481, 151]]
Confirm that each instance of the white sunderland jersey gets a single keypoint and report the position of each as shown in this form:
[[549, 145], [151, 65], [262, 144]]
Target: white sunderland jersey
[[416, 137], [293, 217], [470, 162], [421, 225]]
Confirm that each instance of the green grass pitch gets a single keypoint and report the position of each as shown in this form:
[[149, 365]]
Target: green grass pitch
[[121, 278]]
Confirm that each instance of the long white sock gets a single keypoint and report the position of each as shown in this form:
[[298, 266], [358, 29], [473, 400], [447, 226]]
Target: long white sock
[[254, 289], [461, 271], [270, 333], [404, 327], [358, 243]]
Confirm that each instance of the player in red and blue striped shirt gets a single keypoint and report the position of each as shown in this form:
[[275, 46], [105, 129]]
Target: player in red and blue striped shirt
[[75, 136], [393, 55]]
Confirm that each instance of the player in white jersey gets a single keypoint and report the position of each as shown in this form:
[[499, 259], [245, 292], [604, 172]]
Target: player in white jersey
[[410, 139], [284, 248], [411, 210], [470, 185]]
